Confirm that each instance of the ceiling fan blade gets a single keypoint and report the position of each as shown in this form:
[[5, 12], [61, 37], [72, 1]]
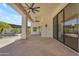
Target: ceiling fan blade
[[32, 5], [36, 10], [33, 11], [28, 11], [37, 21], [36, 7], [27, 5]]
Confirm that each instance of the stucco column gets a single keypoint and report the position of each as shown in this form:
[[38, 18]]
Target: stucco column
[[24, 27]]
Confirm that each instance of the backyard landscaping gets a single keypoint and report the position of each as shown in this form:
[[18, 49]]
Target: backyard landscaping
[[9, 33], [8, 29]]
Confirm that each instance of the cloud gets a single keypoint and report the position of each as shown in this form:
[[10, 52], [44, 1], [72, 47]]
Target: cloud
[[8, 18]]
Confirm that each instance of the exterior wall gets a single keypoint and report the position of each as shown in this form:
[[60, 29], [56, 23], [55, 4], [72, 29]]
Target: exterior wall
[[46, 31], [49, 21]]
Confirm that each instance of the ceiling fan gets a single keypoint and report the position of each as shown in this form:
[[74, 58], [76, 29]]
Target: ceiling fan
[[32, 8]]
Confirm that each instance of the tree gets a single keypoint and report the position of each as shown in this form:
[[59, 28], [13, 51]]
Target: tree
[[3, 26]]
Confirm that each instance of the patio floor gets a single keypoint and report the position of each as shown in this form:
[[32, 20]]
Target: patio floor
[[37, 46], [6, 40]]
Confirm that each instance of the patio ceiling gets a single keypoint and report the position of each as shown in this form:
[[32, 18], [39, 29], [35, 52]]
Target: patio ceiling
[[45, 10]]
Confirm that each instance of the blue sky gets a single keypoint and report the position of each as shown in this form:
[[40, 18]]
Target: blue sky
[[9, 15], [72, 22]]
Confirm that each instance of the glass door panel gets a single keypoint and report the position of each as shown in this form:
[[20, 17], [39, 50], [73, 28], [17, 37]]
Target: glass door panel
[[60, 26], [71, 26], [55, 28]]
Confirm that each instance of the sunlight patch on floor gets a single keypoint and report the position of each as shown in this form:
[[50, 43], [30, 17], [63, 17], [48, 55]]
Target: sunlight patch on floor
[[8, 40]]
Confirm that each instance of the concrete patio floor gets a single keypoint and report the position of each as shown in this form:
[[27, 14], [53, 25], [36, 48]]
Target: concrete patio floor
[[6, 40], [37, 46]]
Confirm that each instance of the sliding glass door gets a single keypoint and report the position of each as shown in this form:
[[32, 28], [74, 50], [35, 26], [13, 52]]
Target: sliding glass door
[[71, 26], [55, 28], [60, 26]]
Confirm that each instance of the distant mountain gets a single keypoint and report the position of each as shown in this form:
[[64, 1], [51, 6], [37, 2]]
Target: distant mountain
[[15, 26], [12, 25]]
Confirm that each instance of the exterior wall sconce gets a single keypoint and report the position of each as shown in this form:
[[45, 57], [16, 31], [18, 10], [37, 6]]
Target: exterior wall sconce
[[45, 25]]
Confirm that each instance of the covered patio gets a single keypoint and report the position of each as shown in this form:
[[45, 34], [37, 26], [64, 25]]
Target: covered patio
[[39, 42]]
